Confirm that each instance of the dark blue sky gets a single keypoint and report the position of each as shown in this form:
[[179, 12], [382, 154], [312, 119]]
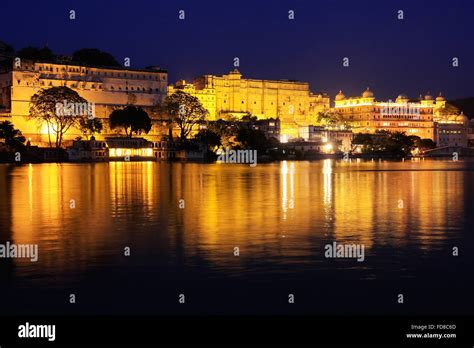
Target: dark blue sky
[[391, 56]]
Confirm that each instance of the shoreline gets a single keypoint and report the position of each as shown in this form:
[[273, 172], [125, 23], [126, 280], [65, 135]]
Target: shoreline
[[263, 161]]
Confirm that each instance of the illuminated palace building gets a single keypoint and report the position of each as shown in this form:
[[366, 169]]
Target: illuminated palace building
[[225, 97], [107, 88], [231, 95], [366, 115]]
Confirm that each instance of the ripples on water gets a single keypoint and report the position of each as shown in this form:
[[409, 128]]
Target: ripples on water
[[280, 216]]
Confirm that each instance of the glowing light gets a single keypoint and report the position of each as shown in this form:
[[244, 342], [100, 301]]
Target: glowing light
[[44, 130], [141, 152], [327, 148], [284, 138], [327, 174]]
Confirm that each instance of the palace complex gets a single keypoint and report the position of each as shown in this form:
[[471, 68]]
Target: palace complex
[[228, 96]]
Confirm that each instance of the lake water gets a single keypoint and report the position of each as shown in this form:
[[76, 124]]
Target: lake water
[[183, 221]]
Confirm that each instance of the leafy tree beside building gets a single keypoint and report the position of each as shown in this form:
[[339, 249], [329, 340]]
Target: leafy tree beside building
[[185, 111], [131, 119], [59, 109]]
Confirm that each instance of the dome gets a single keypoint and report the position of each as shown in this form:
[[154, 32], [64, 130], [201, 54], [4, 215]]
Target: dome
[[340, 96], [367, 93], [462, 118], [428, 96], [440, 98]]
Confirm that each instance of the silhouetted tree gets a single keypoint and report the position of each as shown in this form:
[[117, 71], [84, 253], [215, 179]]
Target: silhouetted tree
[[252, 139], [132, 119], [90, 127], [41, 54], [93, 56], [44, 109], [208, 137], [12, 137], [425, 144], [6, 51], [185, 111]]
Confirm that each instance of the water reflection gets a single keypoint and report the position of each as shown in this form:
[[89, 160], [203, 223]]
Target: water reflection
[[191, 216]]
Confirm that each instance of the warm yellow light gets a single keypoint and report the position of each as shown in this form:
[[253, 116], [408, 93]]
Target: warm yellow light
[[143, 152], [327, 148], [44, 130], [284, 138]]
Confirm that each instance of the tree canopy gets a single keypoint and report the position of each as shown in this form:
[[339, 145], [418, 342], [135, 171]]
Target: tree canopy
[[132, 119], [33, 53], [93, 56], [185, 111], [44, 109], [331, 119], [396, 144], [209, 138], [90, 126], [252, 139], [6, 51], [12, 137]]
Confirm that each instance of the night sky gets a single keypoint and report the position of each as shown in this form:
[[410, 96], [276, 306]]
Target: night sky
[[391, 56]]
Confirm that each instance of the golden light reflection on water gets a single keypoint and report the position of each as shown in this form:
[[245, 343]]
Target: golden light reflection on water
[[282, 213]]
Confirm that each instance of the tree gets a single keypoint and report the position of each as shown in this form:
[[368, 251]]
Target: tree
[[328, 118], [248, 118], [425, 144], [362, 139], [132, 119], [184, 110], [93, 56], [226, 130], [6, 51], [90, 127], [252, 139], [399, 144], [57, 107], [12, 137], [42, 54], [208, 137]]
